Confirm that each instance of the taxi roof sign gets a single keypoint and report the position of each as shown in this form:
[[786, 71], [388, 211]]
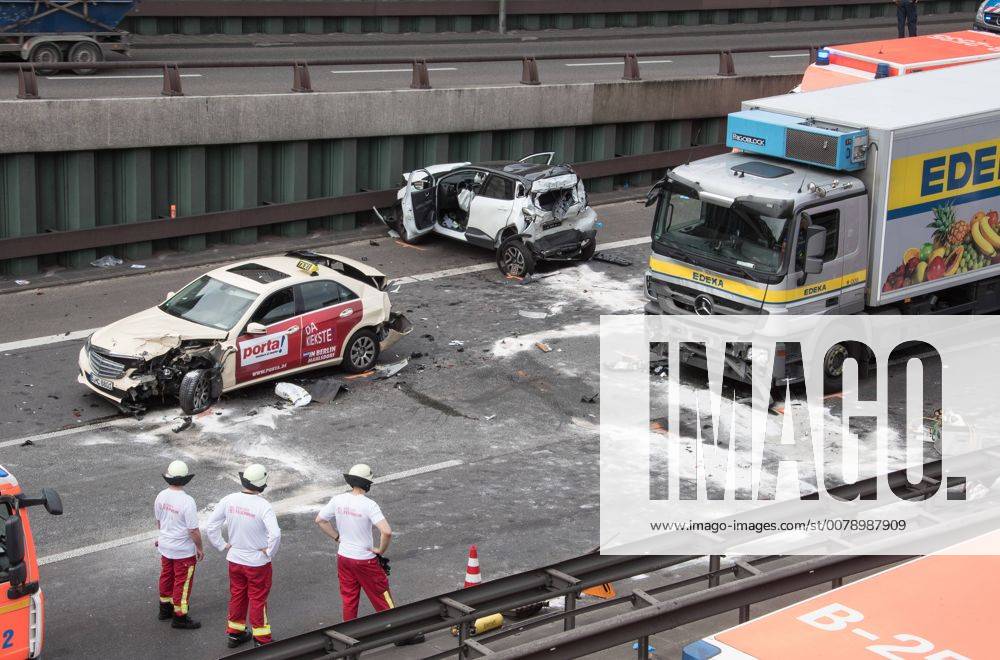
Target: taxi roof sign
[[308, 267]]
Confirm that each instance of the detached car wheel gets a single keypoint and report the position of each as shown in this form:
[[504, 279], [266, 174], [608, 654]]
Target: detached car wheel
[[195, 393], [361, 352], [515, 259]]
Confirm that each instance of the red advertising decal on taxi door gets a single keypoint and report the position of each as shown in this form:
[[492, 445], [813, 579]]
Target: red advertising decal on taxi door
[[325, 330], [280, 349]]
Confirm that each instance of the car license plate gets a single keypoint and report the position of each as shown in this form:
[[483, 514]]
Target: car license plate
[[102, 383], [551, 224]]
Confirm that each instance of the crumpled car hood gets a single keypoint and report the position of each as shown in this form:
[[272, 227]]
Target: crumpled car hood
[[150, 333]]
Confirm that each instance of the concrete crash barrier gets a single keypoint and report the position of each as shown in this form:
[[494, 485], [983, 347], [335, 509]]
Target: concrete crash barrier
[[155, 17], [181, 173]]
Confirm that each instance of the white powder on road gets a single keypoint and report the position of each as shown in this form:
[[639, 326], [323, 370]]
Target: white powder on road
[[509, 346], [583, 287]]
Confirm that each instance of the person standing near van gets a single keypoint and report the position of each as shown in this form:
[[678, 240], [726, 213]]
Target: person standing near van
[[906, 17]]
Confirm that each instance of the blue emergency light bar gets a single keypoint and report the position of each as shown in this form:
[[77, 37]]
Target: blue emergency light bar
[[797, 139]]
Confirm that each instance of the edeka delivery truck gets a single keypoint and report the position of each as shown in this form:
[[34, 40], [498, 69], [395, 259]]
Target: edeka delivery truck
[[21, 604], [875, 198]]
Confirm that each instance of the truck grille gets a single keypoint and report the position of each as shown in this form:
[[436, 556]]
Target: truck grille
[[810, 147], [104, 366], [681, 298]]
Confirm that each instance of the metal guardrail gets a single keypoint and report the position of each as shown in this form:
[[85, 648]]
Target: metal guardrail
[[375, 8], [148, 230], [27, 73]]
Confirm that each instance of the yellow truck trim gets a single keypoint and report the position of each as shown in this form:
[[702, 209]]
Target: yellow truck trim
[[760, 294], [13, 607]]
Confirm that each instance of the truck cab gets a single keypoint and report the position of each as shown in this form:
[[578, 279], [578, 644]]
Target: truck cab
[[21, 599]]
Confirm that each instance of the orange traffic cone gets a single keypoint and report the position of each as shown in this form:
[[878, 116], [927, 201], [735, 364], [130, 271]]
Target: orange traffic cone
[[472, 575]]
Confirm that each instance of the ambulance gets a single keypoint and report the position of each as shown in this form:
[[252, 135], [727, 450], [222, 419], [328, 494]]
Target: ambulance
[[849, 64], [938, 607], [21, 602]]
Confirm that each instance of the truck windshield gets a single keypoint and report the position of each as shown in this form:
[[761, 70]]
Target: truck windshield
[[210, 302], [746, 240]]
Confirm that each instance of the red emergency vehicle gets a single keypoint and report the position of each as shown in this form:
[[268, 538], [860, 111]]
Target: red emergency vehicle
[[854, 63], [22, 613]]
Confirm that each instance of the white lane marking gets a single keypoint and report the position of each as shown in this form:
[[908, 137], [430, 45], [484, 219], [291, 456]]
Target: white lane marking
[[121, 421], [619, 63], [127, 77], [433, 68], [43, 341], [778, 57], [314, 495], [409, 279]]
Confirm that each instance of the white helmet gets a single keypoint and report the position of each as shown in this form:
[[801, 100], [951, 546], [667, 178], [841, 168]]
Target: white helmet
[[254, 477], [177, 474], [360, 476]]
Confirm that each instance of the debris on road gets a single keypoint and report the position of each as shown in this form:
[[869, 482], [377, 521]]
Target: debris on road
[[609, 258], [390, 370], [543, 347], [590, 399], [107, 261], [416, 355], [529, 314], [456, 342], [489, 418], [326, 390], [373, 243], [22, 282], [393, 233], [184, 423], [292, 393], [27, 443], [138, 266]]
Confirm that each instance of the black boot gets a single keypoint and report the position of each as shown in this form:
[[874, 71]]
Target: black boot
[[238, 639], [185, 622], [166, 611]]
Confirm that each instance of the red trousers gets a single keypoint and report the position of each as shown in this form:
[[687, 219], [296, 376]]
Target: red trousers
[[367, 574], [248, 590], [176, 580]]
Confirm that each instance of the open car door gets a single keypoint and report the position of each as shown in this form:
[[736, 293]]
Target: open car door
[[419, 204], [544, 158]]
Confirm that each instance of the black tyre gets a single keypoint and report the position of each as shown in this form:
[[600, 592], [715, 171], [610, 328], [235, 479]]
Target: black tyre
[[45, 54], [588, 252], [515, 259], [361, 352], [85, 52], [195, 393]]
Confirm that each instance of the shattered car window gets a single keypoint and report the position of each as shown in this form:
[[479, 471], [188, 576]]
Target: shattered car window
[[208, 301]]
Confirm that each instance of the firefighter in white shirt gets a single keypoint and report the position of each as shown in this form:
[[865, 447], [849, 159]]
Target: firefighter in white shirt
[[360, 565], [254, 535], [179, 543]]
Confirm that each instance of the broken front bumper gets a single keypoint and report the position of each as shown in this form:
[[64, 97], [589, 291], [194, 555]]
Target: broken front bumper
[[110, 389], [397, 327], [565, 244]]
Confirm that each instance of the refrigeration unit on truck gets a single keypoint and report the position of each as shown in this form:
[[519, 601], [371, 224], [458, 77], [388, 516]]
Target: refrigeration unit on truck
[[876, 198]]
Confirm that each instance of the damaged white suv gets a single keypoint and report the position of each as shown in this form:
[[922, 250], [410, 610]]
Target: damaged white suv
[[528, 211], [243, 324]]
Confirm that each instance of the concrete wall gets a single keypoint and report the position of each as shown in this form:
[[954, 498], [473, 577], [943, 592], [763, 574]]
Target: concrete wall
[[93, 124]]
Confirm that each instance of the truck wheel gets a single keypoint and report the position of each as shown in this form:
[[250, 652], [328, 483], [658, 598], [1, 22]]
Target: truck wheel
[[361, 352], [195, 394], [515, 259], [85, 52], [46, 54]]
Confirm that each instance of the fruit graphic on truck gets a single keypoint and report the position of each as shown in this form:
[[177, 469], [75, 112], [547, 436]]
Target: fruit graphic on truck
[[956, 246]]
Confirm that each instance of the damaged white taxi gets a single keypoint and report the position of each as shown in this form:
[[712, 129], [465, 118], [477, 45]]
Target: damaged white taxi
[[527, 211], [242, 324]]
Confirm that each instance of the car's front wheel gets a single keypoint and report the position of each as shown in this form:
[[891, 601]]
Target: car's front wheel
[[361, 352], [515, 259], [195, 392]]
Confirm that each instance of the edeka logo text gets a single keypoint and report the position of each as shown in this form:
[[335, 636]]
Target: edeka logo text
[[959, 170], [956, 175], [710, 280], [262, 349], [847, 428]]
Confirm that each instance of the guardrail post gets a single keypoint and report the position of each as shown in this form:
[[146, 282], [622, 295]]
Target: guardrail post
[[813, 54], [714, 564], [27, 83], [529, 71], [726, 65], [631, 67], [421, 79], [300, 78], [171, 81], [643, 648]]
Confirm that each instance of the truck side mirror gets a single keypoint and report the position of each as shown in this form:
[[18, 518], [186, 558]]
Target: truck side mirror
[[53, 503], [654, 193], [14, 535], [815, 249]]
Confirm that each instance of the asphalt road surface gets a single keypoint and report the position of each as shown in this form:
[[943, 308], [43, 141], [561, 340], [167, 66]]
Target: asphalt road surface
[[195, 81], [482, 439]]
